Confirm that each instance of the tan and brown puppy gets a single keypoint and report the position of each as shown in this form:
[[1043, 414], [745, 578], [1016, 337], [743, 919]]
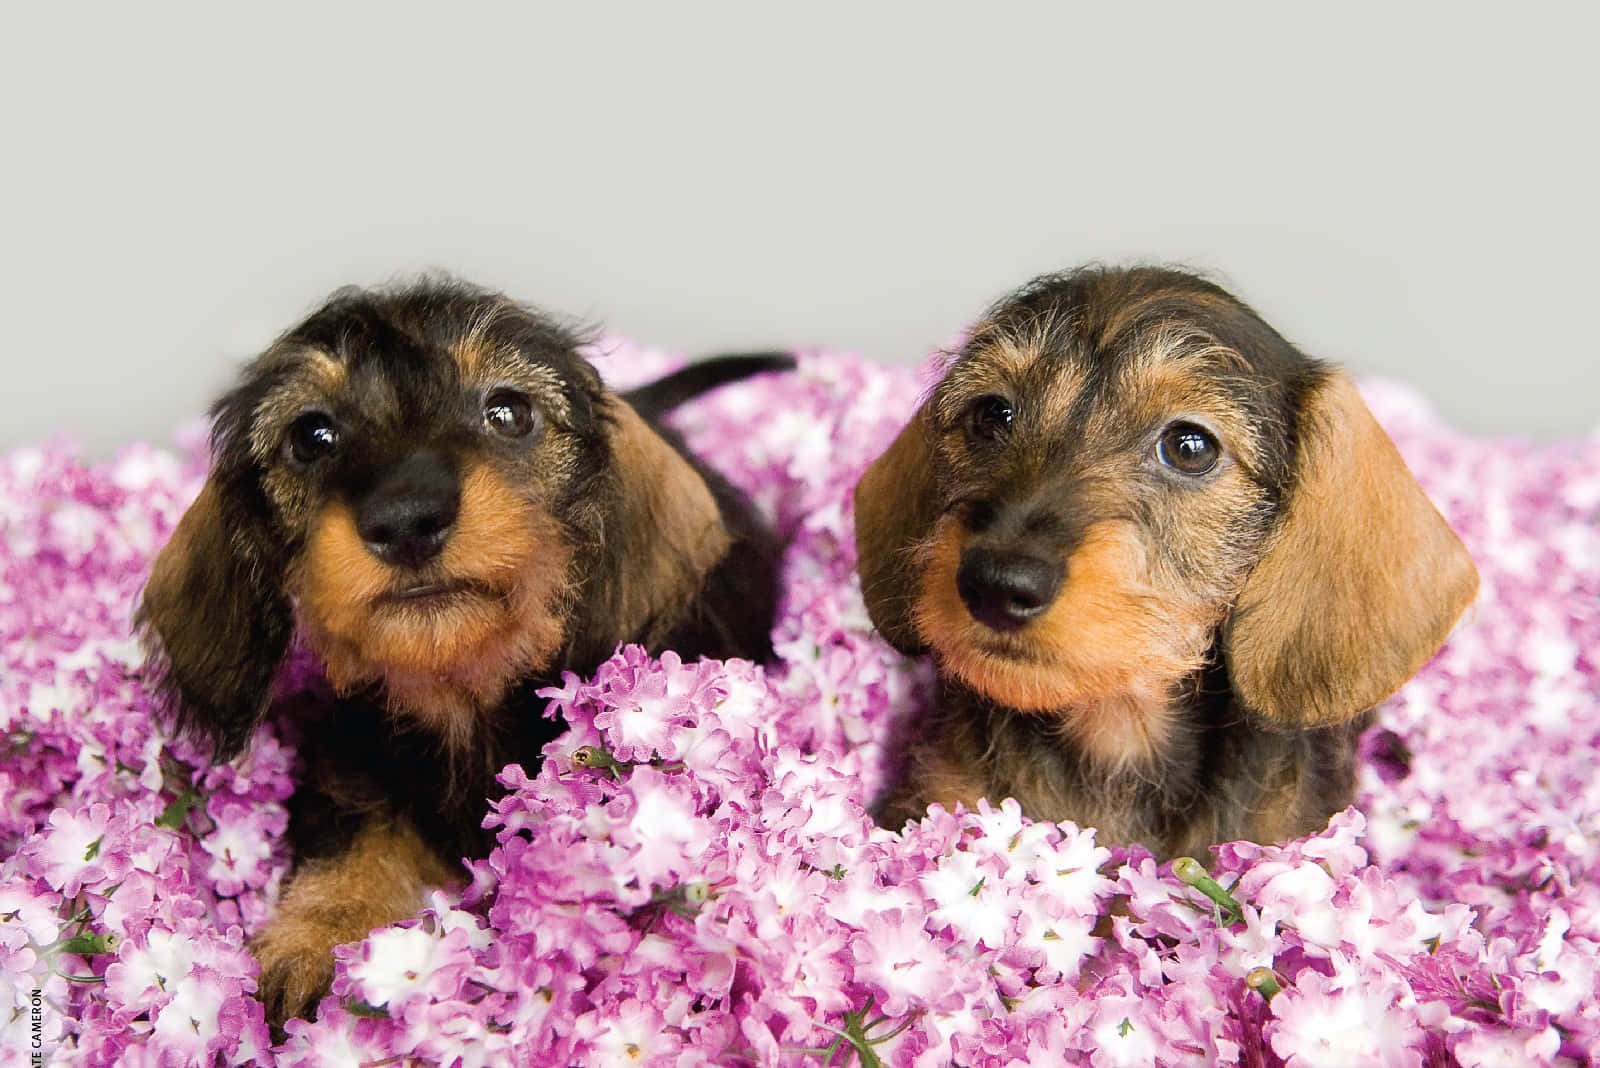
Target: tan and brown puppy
[[432, 489], [1165, 563]]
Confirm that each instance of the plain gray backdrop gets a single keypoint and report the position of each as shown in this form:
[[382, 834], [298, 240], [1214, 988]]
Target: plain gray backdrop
[[1409, 190]]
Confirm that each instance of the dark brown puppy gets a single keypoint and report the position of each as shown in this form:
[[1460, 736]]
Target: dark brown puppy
[[431, 487], [1166, 565]]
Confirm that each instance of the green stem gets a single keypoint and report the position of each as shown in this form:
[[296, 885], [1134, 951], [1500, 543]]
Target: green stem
[[82, 978]]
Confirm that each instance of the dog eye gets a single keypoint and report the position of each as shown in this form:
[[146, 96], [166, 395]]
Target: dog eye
[[510, 414], [990, 417], [1188, 448], [312, 437]]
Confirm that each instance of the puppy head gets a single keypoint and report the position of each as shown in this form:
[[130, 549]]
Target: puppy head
[[419, 481], [1124, 469]]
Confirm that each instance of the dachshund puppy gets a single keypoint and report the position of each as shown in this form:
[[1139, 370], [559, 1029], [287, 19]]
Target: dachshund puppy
[[431, 488], [1165, 563]]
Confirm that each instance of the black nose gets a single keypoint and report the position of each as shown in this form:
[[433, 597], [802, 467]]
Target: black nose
[[1004, 590], [406, 518]]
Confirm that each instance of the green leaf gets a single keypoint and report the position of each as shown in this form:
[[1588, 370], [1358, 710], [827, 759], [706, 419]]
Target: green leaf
[[176, 814], [357, 1007]]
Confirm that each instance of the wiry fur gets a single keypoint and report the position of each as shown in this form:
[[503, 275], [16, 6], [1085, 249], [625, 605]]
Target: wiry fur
[[1217, 640], [592, 527]]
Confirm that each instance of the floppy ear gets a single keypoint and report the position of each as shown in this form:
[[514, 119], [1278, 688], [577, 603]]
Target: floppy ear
[[216, 623], [663, 535], [1360, 584], [896, 504]]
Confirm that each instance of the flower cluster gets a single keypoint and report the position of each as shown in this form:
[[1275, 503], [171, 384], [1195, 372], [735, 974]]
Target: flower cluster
[[691, 876], [132, 871]]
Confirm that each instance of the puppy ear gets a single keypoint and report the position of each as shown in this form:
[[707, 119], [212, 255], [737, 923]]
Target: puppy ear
[[896, 505], [664, 534], [216, 623], [1360, 584]]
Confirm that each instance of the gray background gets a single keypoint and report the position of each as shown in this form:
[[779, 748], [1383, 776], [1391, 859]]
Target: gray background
[[1409, 190]]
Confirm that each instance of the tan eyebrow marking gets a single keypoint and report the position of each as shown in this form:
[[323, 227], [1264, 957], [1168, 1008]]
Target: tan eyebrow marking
[[316, 381]]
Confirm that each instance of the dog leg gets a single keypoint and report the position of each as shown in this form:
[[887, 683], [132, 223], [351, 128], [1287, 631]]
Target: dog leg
[[383, 878]]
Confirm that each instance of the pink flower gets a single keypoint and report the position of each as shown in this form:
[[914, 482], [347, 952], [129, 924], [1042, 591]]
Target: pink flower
[[150, 966], [241, 843], [420, 960], [631, 1032], [1354, 1017], [188, 1026], [960, 896], [83, 847], [721, 896], [666, 839], [904, 965]]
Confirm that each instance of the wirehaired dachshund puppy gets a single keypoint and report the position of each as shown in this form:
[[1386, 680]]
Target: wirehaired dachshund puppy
[[431, 488], [1165, 563]]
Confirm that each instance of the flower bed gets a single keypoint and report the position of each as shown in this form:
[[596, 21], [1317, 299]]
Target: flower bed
[[691, 878]]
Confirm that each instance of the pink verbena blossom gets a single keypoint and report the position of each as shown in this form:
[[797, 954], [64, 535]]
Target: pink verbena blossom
[[714, 891]]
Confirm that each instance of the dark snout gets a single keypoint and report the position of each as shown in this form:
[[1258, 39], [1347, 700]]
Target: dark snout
[[1014, 566], [1004, 589], [407, 516]]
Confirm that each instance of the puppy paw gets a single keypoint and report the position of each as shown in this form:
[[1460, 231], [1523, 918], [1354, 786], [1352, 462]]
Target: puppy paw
[[296, 958], [382, 878]]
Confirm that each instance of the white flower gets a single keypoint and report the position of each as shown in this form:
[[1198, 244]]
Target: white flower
[[395, 962], [963, 898]]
